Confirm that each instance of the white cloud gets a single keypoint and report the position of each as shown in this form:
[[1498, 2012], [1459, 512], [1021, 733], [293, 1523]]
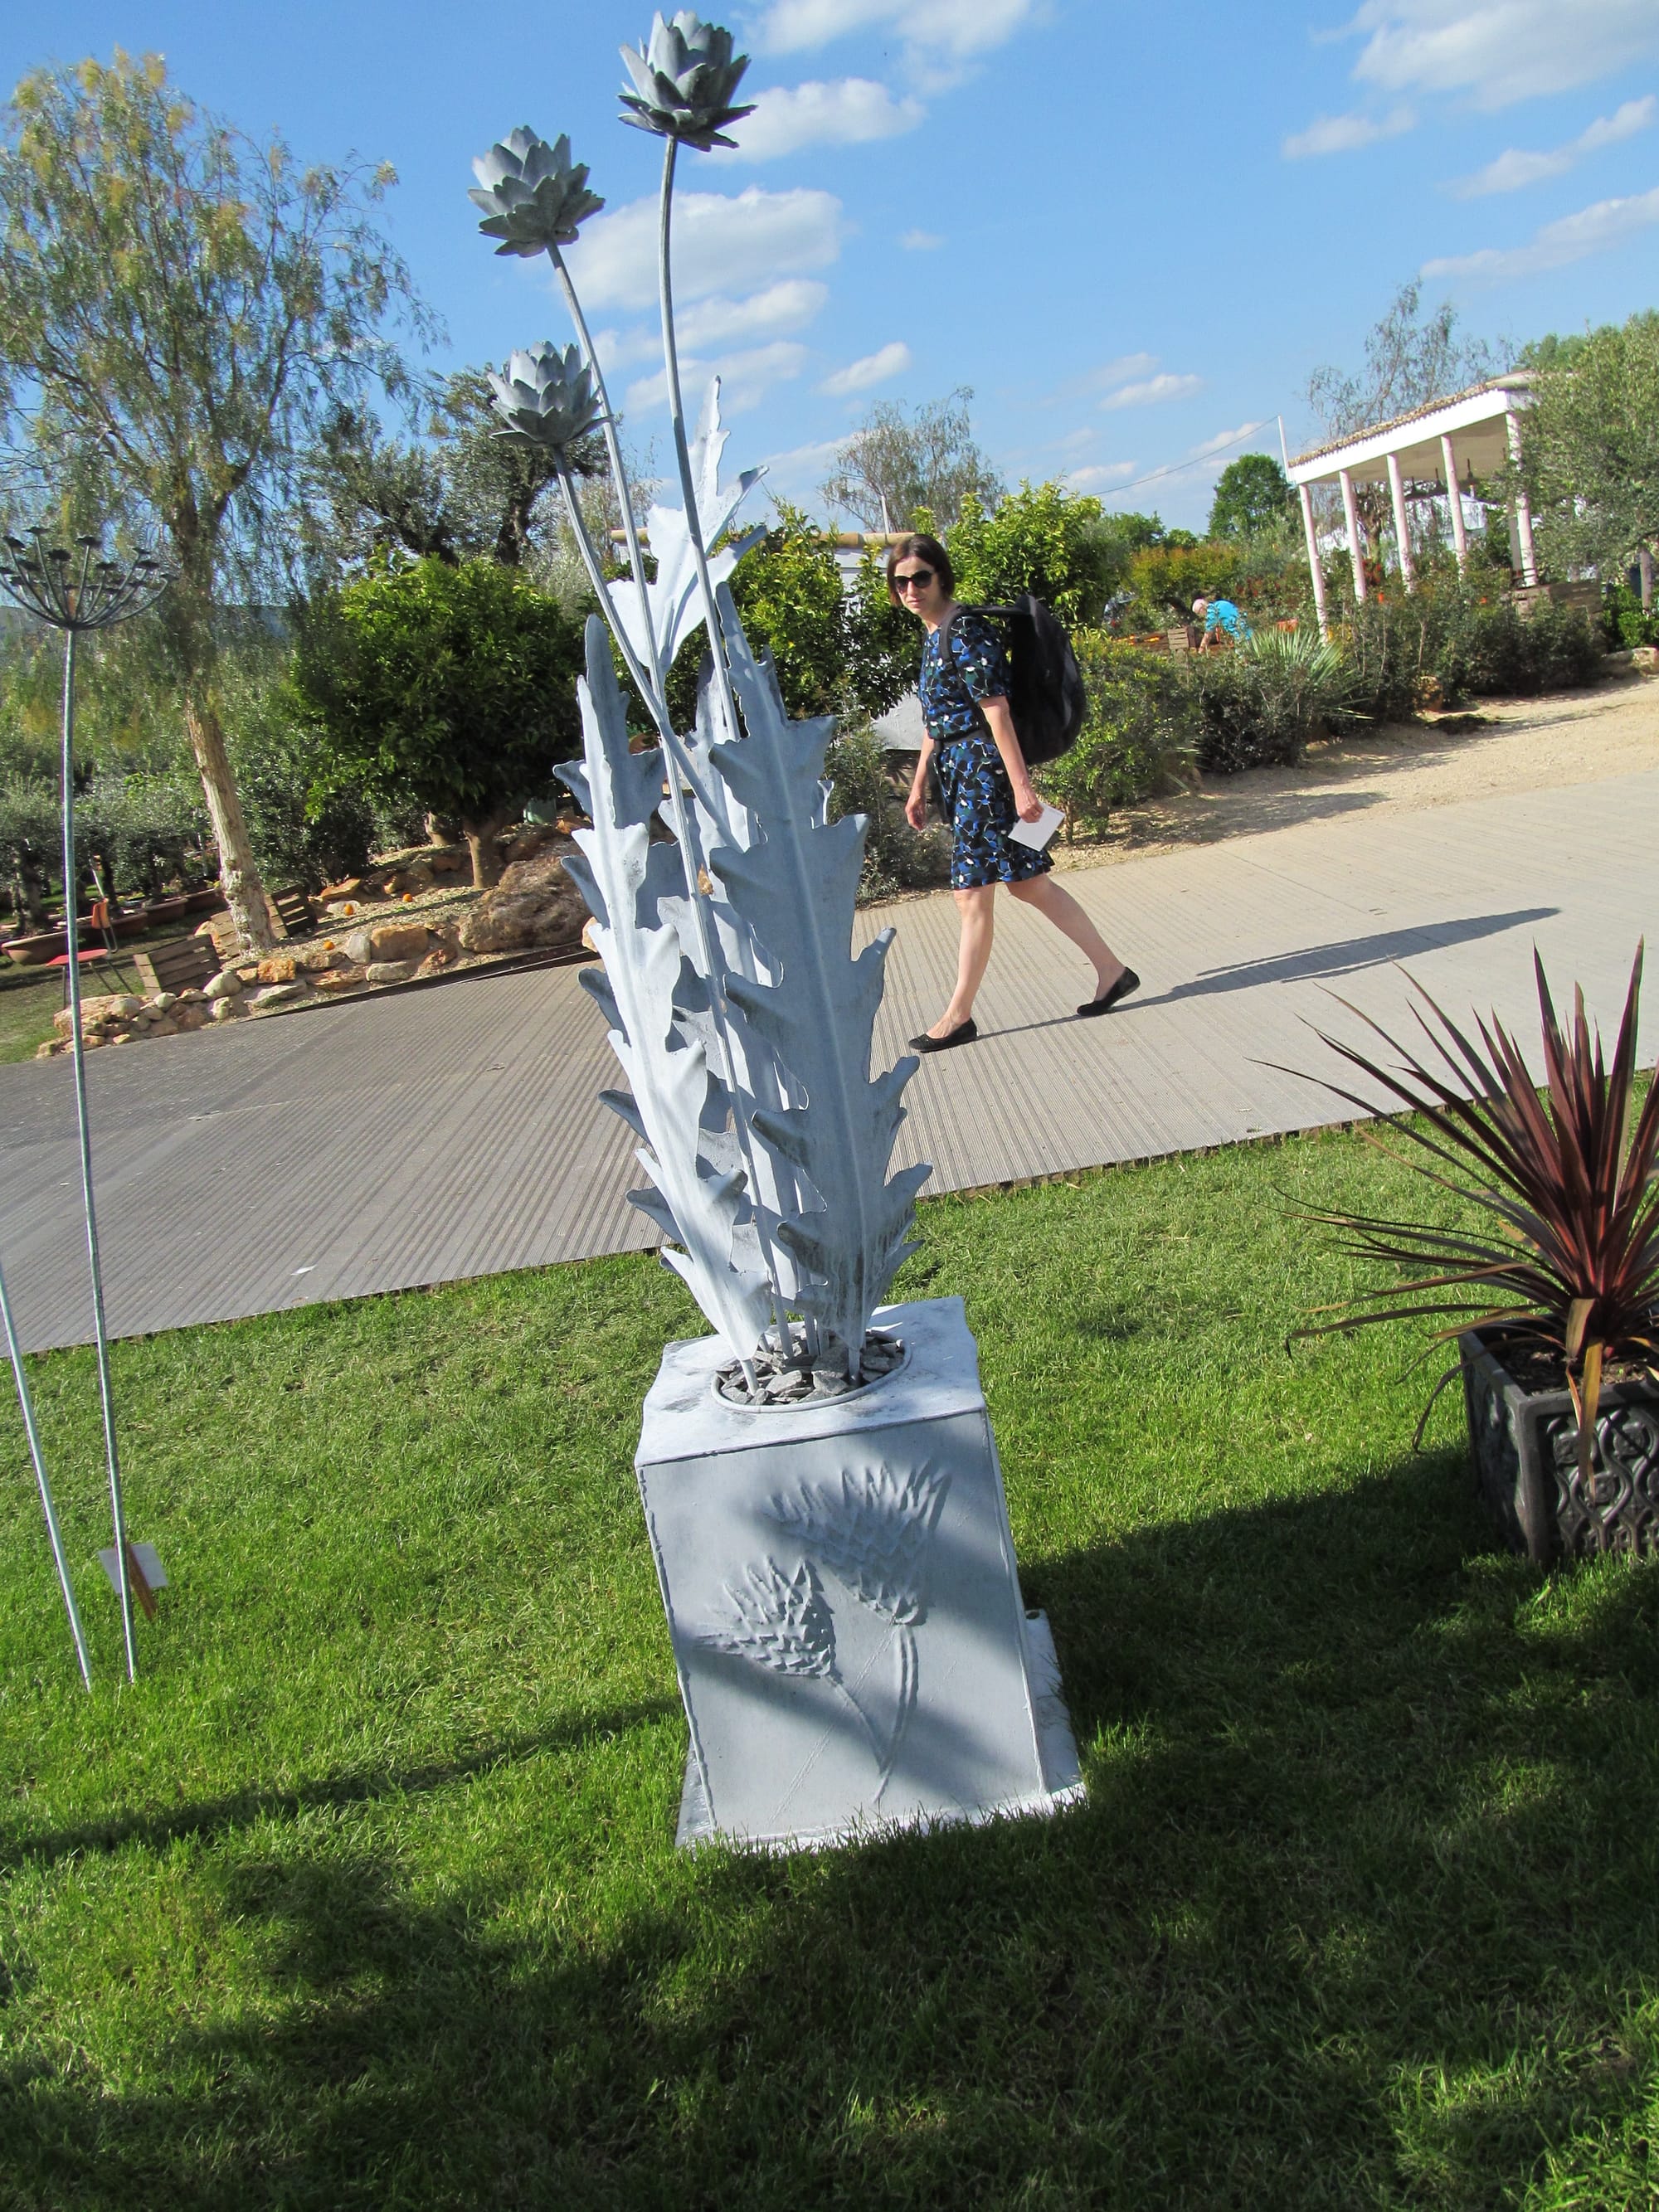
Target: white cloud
[[851, 111], [920, 241], [1496, 51], [745, 377], [1121, 370], [1099, 474], [874, 368], [721, 245], [955, 29], [1513, 169], [797, 473], [1151, 390], [789, 304], [1213, 447], [1574, 237], [1345, 134]]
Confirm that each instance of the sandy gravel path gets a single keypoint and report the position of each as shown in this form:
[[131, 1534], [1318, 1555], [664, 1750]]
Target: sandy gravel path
[[1526, 744]]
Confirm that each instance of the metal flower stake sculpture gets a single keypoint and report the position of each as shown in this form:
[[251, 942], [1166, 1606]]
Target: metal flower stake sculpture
[[873, 1661], [77, 595]]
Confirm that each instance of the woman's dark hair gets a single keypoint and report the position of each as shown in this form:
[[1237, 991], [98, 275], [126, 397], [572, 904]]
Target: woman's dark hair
[[919, 547]]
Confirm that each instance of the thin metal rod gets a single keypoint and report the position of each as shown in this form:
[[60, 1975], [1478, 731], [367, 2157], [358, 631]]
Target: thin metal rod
[[618, 473], [39, 1457], [78, 1049], [683, 452]]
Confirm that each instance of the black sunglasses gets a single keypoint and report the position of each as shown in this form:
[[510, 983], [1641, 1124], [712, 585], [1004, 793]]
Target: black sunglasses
[[918, 576]]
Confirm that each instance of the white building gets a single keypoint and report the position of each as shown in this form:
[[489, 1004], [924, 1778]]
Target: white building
[[1443, 447]]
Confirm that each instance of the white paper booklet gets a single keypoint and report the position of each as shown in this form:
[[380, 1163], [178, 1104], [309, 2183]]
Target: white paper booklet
[[1038, 833]]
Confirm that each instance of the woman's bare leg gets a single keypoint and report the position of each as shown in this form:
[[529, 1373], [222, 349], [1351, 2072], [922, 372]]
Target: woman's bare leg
[[977, 912], [1058, 906]]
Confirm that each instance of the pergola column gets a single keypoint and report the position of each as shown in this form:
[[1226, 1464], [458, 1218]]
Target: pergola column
[[1397, 493], [1351, 509], [1455, 499], [1523, 506], [1314, 569]]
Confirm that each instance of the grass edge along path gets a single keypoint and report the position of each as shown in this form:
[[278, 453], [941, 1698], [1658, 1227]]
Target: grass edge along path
[[366, 1895]]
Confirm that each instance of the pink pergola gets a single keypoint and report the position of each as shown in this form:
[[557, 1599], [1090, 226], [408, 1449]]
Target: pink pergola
[[1444, 446]]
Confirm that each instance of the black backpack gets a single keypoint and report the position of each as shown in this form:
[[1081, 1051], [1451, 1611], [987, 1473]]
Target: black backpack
[[1046, 695]]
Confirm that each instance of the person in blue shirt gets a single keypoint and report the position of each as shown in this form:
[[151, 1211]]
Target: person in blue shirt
[[1219, 614], [972, 747]]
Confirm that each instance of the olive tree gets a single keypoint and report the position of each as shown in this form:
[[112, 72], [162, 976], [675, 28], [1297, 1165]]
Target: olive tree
[[1590, 448], [180, 309]]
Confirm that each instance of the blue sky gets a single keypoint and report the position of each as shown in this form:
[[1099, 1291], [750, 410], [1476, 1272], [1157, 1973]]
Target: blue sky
[[1134, 231]]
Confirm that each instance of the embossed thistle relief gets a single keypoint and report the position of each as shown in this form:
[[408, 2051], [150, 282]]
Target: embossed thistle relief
[[871, 1534], [735, 1006]]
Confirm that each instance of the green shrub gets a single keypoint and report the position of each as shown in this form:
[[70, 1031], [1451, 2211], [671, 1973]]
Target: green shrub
[[1476, 645], [1040, 538], [1134, 742], [1623, 623], [1263, 703], [896, 858]]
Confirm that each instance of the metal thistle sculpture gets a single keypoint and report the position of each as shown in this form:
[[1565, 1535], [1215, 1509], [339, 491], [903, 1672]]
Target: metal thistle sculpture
[[735, 1006], [75, 591]]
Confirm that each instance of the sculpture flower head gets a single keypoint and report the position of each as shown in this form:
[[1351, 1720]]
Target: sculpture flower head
[[546, 398], [533, 195], [684, 80]]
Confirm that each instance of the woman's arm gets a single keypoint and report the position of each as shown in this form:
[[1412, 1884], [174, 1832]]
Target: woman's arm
[[1000, 723], [916, 806]]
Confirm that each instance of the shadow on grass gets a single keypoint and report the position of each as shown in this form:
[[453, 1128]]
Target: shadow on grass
[[1361, 1911]]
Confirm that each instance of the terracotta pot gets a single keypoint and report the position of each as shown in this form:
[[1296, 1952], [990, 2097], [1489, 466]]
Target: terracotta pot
[[167, 909], [131, 924], [35, 952], [207, 900]]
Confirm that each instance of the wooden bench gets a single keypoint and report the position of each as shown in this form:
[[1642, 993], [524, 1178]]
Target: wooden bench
[[189, 964]]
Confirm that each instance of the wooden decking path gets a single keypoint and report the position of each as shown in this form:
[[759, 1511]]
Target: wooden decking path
[[456, 1132]]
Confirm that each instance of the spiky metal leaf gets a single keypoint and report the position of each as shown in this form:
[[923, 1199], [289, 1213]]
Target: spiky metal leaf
[[694, 1202], [722, 825], [545, 398], [533, 195], [684, 76], [779, 1621], [873, 1531], [676, 608], [795, 886]]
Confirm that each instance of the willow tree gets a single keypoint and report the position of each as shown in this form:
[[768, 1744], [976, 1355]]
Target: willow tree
[[180, 309]]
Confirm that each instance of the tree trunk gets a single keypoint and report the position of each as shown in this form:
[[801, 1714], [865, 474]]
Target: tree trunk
[[239, 873], [481, 843], [441, 831], [1644, 562]]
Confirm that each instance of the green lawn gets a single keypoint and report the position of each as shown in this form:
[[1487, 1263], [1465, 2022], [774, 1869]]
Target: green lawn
[[29, 997], [366, 1895]]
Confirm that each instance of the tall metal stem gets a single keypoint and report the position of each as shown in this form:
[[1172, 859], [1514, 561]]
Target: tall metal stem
[[682, 451], [15, 1349], [618, 473], [78, 1049]]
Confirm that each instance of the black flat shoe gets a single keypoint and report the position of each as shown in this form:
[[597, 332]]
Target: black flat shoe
[[964, 1033], [1127, 982]]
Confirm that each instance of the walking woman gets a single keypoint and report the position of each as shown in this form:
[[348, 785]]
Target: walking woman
[[972, 744]]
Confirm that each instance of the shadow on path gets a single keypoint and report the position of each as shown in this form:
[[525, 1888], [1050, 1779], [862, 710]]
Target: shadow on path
[[1347, 955]]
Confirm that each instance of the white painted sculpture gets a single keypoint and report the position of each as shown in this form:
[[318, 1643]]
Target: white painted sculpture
[[820, 1481]]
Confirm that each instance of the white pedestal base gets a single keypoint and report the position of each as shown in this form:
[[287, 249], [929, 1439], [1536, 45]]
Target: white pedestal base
[[841, 1590]]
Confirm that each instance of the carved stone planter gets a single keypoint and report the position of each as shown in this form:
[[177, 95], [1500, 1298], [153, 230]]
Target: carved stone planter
[[840, 1590], [1525, 1448]]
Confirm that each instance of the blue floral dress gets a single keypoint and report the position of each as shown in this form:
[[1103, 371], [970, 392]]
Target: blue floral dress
[[979, 800]]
